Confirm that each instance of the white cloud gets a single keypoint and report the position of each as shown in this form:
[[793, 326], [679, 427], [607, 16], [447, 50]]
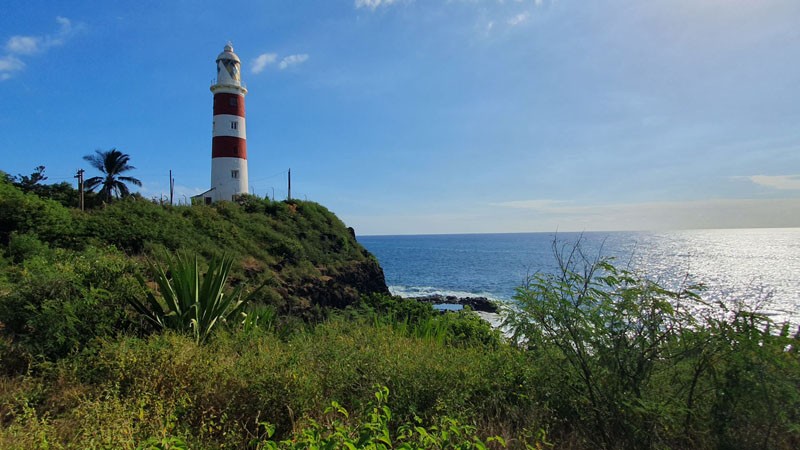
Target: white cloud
[[23, 45], [781, 182], [292, 60], [64, 32], [10, 64], [262, 61], [519, 18], [18, 45], [373, 4]]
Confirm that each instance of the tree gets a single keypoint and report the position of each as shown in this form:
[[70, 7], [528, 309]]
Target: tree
[[612, 334], [112, 163], [29, 183]]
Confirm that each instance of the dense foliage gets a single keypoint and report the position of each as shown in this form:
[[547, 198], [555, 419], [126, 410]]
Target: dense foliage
[[641, 366], [598, 357], [309, 257]]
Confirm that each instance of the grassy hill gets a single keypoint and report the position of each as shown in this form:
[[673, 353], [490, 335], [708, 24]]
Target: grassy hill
[[311, 257]]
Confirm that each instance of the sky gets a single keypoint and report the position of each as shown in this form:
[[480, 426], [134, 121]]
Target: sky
[[429, 116]]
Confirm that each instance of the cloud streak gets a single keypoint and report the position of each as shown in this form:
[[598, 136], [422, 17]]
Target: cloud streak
[[262, 61], [519, 19], [373, 4], [23, 46], [780, 182], [292, 60], [9, 65]]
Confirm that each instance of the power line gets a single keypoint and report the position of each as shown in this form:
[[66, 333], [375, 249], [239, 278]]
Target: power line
[[282, 172]]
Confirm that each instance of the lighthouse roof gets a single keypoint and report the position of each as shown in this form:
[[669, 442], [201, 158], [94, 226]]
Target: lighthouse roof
[[227, 53]]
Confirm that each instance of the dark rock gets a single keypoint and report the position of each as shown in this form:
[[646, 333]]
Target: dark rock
[[343, 285]]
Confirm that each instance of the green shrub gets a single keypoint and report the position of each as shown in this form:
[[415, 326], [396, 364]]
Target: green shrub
[[24, 246], [421, 320], [629, 364], [59, 300], [27, 213], [373, 431]]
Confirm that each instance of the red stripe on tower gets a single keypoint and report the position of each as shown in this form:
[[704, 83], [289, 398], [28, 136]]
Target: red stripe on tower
[[228, 147]]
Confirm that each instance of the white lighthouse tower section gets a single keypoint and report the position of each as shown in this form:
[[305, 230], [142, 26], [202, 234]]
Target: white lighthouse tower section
[[229, 132], [230, 175]]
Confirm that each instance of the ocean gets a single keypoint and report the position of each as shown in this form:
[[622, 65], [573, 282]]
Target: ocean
[[758, 266]]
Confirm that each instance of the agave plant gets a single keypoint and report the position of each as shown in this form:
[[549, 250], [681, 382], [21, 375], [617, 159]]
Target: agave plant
[[189, 301]]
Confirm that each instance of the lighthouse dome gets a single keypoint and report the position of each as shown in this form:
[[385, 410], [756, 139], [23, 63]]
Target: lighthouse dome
[[227, 54]]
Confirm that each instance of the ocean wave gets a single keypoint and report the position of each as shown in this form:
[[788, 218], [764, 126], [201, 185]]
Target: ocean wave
[[423, 291]]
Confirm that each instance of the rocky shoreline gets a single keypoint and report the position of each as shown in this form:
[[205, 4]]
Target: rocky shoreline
[[481, 304]]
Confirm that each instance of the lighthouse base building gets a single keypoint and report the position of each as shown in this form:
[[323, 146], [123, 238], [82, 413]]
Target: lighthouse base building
[[229, 136]]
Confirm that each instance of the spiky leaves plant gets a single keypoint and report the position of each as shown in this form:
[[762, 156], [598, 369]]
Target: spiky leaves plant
[[112, 164], [189, 301]]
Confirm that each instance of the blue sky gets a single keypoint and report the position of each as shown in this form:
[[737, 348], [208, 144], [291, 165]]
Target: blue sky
[[430, 116]]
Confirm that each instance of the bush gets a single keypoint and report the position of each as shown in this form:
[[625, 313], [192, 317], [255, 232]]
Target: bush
[[630, 364], [58, 301], [373, 432], [27, 213]]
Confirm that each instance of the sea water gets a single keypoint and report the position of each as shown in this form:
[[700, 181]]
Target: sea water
[[757, 266]]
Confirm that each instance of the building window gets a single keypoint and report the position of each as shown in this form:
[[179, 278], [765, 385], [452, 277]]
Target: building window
[[234, 125], [235, 174], [208, 200], [233, 101]]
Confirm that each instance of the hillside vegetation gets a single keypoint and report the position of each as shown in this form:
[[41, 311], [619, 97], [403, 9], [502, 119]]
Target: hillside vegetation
[[306, 254], [322, 357]]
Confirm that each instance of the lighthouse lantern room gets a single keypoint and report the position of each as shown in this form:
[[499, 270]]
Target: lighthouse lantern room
[[229, 137]]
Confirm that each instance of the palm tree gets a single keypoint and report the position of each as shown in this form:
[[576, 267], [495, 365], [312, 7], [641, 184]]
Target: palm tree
[[112, 163]]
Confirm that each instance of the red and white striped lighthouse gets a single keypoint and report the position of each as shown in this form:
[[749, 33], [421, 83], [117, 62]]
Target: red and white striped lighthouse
[[229, 141]]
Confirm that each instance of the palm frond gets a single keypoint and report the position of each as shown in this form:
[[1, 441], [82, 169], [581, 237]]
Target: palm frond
[[92, 183], [131, 180]]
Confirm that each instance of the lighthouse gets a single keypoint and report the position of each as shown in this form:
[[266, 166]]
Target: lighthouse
[[229, 137]]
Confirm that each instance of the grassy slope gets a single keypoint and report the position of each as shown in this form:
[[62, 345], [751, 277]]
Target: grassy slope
[[300, 246]]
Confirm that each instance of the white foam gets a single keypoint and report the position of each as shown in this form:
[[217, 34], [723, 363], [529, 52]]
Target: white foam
[[424, 291]]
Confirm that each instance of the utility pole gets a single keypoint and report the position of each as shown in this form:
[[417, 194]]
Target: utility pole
[[171, 187], [79, 176], [289, 197]]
